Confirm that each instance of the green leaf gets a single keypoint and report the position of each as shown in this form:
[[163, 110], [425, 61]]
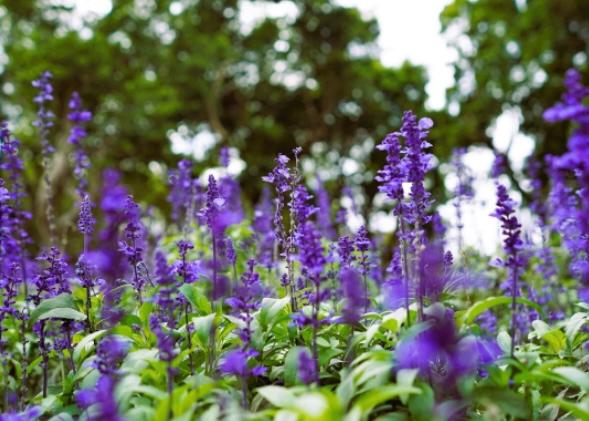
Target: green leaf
[[574, 376], [422, 405], [480, 307], [197, 298], [574, 325], [394, 320], [278, 396], [86, 344], [574, 408], [554, 337], [270, 308], [63, 313], [504, 341], [346, 390], [291, 365], [507, 400], [369, 400], [62, 301], [406, 377], [202, 327], [62, 416]]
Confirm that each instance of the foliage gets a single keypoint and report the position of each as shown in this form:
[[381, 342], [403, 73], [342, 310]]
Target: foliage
[[194, 320]]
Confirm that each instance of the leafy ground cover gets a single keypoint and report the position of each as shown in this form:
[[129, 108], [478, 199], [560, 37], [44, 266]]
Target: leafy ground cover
[[281, 311]]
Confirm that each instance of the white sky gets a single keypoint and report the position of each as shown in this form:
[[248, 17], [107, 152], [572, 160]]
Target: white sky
[[409, 30]]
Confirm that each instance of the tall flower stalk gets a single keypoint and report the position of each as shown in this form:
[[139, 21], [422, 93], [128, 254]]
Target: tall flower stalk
[[284, 182], [244, 303], [408, 164], [163, 322], [571, 210], [187, 274], [313, 261], [44, 123], [512, 244], [133, 246]]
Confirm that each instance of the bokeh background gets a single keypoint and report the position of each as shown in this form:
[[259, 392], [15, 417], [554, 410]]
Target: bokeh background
[[171, 79]]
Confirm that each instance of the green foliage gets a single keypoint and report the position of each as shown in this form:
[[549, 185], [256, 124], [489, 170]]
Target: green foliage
[[145, 71]]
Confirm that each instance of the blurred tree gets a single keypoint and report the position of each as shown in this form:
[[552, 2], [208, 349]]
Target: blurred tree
[[513, 54], [149, 68]]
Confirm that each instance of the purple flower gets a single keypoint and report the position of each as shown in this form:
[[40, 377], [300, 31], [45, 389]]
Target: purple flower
[[79, 117], [52, 279], [28, 414], [247, 300], [237, 363], [45, 118], [230, 252], [100, 402], [183, 194], [571, 106], [307, 368], [263, 232], [394, 172], [571, 210], [165, 340], [109, 354], [165, 297], [86, 221], [438, 352], [499, 165], [133, 246], [345, 250], [224, 156], [512, 244], [324, 211], [418, 164], [408, 164], [354, 295], [188, 271], [311, 253], [362, 244]]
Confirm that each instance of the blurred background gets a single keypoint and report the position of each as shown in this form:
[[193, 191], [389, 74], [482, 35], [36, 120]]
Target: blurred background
[[174, 79]]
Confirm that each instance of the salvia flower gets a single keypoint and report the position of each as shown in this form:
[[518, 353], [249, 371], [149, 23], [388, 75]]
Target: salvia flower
[[133, 245], [182, 194], [308, 372], [52, 279], [499, 166], [263, 232], [354, 295], [238, 363], [247, 300], [29, 414], [79, 118], [324, 211], [100, 402], [438, 352], [45, 117], [86, 221], [418, 164], [572, 210], [512, 244]]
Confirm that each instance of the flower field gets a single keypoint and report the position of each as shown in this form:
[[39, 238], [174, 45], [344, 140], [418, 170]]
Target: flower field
[[279, 310]]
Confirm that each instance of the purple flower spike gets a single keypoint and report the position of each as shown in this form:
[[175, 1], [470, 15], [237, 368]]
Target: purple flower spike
[[512, 244], [45, 118], [79, 117], [570, 178], [307, 368]]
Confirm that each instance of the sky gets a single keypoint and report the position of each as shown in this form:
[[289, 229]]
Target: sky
[[409, 30]]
